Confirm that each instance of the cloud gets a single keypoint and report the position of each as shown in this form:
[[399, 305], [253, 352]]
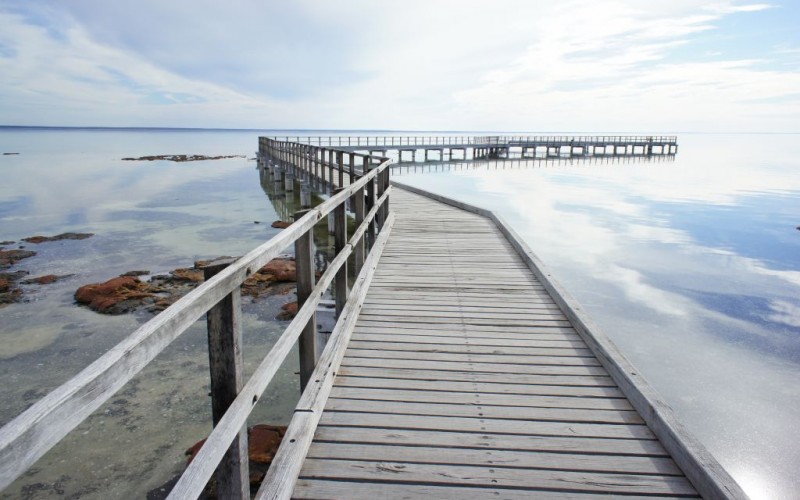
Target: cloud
[[448, 65]]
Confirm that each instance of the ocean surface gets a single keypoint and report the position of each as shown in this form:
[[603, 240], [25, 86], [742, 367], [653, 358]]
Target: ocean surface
[[691, 265]]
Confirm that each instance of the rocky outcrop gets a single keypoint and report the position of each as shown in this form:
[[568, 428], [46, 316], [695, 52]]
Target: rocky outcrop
[[281, 269], [116, 296], [63, 236]]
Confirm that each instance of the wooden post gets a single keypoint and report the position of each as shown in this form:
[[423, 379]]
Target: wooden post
[[331, 164], [225, 363], [379, 192], [340, 240], [371, 232], [279, 176], [304, 262], [305, 194], [358, 252], [340, 162]]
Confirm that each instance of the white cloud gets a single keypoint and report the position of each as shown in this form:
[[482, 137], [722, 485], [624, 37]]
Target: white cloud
[[519, 65]]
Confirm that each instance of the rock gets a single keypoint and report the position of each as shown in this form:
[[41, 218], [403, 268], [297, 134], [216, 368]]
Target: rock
[[46, 279], [115, 296], [262, 444], [4, 285], [9, 154], [279, 224], [288, 311], [183, 158], [63, 236], [135, 273], [281, 269], [7, 242], [256, 222], [10, 257], [188, 274]]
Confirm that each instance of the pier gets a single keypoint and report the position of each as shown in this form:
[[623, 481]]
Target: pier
[[458, 366], [454, 147]]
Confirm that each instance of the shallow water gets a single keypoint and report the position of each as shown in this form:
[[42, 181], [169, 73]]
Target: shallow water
[[152, 216], [691, 266]]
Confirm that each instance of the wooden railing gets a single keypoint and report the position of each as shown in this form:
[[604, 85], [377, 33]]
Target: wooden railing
[[396, 141], [31, 434]]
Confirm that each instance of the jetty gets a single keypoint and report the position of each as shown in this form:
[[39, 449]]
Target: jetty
[[458, 367]]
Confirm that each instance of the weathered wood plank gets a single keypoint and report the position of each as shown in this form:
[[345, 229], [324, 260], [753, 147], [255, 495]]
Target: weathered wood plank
[[317, 489], [658, 466], [502, 477]]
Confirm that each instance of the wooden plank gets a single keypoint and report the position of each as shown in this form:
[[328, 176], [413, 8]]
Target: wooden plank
[[658, 466], [465, 346], [401, 421], [477, 377], [477, 387], [534, 479], [475, 366], [488, 411], [317, 489], [457, 439], [424, 395], [475, 358], [458, 341]]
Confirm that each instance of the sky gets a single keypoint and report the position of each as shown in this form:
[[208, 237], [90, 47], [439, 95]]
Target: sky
[[639, 66]]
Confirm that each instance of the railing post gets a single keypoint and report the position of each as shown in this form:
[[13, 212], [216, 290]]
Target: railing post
[[340, 162], [358, 251], [340, 240], [304, 263], [225, 362]]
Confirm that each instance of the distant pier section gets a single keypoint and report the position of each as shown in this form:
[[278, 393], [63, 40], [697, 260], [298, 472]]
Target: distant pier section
[[461, 147]]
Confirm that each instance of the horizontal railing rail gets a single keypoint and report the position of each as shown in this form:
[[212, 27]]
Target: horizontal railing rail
[[32, 433], [398, 141]]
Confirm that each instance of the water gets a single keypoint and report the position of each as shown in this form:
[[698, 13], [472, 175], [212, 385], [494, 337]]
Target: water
[[691, 266]]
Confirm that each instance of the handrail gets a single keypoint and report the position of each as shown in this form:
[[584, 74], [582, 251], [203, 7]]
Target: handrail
[[395, 141], [32, 433]]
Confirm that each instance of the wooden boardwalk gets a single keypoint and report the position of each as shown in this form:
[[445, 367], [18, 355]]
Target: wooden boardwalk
[[463, 379]]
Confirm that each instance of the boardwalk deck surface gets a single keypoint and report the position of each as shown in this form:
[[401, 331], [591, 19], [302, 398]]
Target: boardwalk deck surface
[[463, 379]]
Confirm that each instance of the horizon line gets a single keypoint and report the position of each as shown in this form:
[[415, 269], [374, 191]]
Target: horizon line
[[306, 130]]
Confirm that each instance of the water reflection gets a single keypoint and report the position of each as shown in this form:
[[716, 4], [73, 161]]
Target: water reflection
[[692, 268]]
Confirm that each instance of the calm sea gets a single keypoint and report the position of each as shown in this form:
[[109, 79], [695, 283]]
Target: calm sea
[[692, 266]]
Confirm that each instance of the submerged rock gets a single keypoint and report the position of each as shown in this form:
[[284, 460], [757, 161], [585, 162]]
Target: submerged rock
[[7, 242], [182, 158], [116, 296], [280, 224], [10, 257], [135, 273], [63, 236], [9, 292], [46, 279]]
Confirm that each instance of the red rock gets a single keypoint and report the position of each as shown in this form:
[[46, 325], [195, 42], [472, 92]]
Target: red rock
[[115, 296], [288, 311], [281, 269], [279, 224], [4, 285]]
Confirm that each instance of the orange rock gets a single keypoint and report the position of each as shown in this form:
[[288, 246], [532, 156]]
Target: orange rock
[[279, 224], [115, 296], [288, 311], [281, 269]]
